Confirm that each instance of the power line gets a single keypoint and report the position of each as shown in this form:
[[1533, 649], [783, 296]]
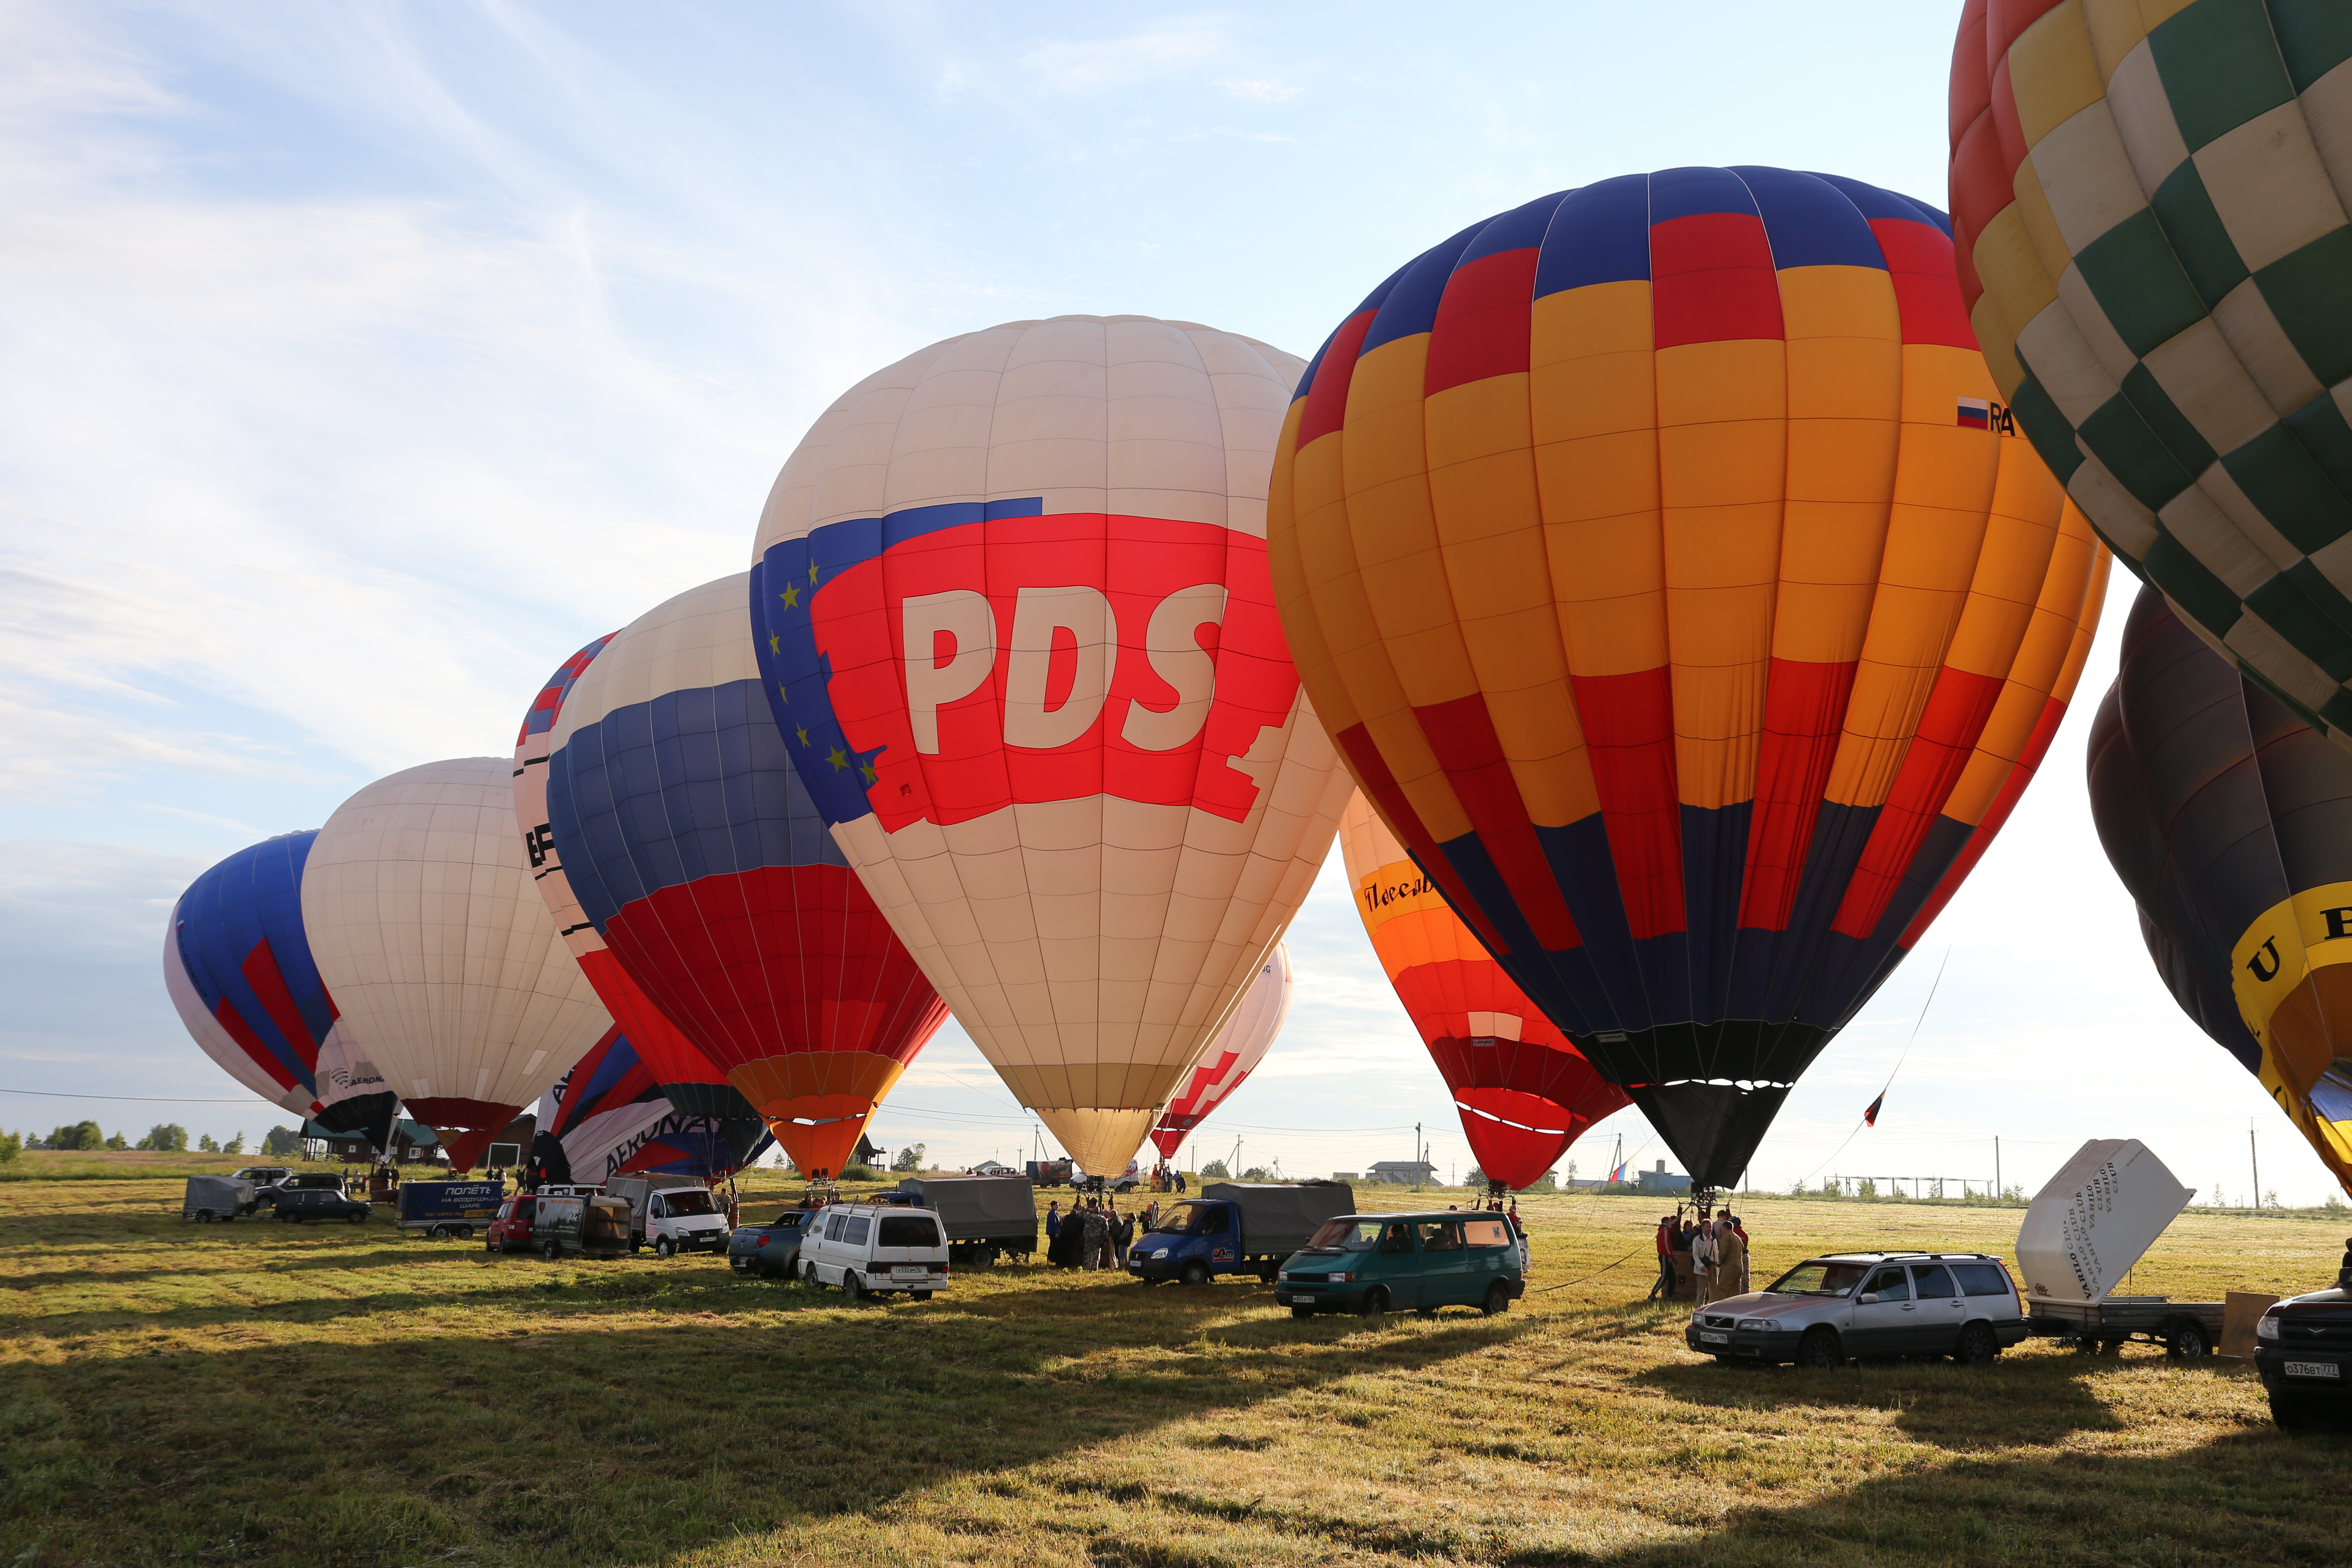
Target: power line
[[144, 1098]]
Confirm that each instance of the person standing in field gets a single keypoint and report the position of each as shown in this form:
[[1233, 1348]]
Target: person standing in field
[[1665, 1288], [1730, 1261], [1053, 1221], [1095, 1238], [1122, 1235], [1703, 1263]]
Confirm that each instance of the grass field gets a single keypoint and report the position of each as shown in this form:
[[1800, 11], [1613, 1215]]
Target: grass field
[[339, 1395]]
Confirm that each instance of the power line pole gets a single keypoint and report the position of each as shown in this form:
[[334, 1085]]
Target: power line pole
[[2256, 1155], [1999, 1192], [1416, 1156]]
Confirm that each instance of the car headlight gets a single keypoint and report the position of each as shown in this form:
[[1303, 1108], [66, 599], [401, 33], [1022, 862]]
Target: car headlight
[[1161, 1253], [1759, 1325], [2268, 1328], [1347, 1278]]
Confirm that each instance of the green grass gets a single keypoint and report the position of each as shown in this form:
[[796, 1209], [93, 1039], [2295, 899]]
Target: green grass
[[340, 1395]]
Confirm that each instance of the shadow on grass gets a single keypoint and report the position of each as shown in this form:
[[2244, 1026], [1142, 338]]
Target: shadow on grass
[[2017, 1400], [565, 1428]]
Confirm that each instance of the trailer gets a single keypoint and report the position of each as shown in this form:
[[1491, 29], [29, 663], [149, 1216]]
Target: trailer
[[210, 1198], [2085, 1230], [985, 1217], [448, 1208]]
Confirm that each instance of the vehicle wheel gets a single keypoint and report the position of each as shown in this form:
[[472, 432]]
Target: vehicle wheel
[[1498, 1299], [665, 1247], [1265, 1275], [1302, 1312], [490, 1247], [1819, 1350], [203, 1216], [552, 1252], [297, 1218], [1196, 1273], [355, 1218], [1376, 1301], [1978, 1345], [2293, 1413], [920, 1295], [851, 1285], [2187, 1340], [436, 1232], [464, 1233]]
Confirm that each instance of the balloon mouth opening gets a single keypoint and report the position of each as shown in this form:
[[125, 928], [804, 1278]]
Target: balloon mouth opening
[[1744, 1085], [1468, 1109]]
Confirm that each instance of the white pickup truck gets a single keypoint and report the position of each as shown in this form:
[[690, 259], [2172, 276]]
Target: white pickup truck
[[673, 1214]]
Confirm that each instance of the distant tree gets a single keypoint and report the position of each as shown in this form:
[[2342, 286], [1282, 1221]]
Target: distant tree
[[282, 1142], [165, 1138], [11, 1145], [1476, 1178], [80, 1135], [116, 1141], [207, 1143], [1547, 1183], [1257, 1173], [1214, 1171], [234, 1145], [910, 1158], [1867, 1188]]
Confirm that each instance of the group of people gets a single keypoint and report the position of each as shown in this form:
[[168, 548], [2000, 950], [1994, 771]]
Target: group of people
[[1165, 1178], [1094, 1234], [1717, 1250]]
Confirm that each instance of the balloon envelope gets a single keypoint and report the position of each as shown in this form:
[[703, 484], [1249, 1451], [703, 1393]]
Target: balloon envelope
[[2153, 248], [1012, 608], [607, 1117], [1232, 1056], [690, 843], [689, 1082], [1647, 553], [2231, 821], [238, 965], [1523, 1092], [448, 970]]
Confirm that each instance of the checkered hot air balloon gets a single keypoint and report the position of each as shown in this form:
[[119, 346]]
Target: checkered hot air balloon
[[1640, 550], [1012, 603], [2149, 204], [688, 839]]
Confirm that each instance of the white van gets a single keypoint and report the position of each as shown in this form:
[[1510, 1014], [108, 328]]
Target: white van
[[676, 1214], [868, 1249]]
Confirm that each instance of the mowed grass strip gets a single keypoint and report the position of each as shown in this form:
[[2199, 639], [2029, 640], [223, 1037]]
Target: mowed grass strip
[[341, 1395]]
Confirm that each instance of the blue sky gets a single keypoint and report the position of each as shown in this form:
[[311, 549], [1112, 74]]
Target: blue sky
[[363, 361]]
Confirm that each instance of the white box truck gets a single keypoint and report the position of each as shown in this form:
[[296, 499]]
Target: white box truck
[[671, 1214]]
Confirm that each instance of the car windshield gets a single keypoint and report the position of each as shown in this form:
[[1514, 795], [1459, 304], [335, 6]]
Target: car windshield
[[1346, 1236], [1177, 1221], [1818, 1278], [688, 1203], [791, 1218]]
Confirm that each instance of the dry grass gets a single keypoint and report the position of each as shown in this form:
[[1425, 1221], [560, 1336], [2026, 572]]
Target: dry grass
[[337, 1396]]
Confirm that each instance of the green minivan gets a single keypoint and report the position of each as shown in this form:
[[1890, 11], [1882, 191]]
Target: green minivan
[[1379, 1263]]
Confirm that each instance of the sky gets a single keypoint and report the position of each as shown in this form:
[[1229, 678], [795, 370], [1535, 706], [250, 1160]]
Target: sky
[[362, 361]]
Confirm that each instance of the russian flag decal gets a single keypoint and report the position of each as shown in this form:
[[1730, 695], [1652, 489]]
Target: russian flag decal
[[1976, 414]]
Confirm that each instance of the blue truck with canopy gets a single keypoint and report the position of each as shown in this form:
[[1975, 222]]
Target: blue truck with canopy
[[1236, 1227]]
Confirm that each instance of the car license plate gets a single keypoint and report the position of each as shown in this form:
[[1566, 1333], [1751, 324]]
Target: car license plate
[[1710, 1337], [2314, 1369], [907, 1271]]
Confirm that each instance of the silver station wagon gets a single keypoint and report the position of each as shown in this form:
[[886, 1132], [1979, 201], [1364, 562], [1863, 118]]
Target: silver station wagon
[[1828, 1309]]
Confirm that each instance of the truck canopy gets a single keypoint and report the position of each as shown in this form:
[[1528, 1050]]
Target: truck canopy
[[1280, 1217], [978, 1209], [445, 1202], [220, 1195]]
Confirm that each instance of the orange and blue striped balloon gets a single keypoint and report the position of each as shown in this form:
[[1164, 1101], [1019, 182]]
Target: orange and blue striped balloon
[[1680, 595]]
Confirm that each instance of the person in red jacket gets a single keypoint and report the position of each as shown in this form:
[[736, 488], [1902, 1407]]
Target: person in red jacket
[[1666, 1285]]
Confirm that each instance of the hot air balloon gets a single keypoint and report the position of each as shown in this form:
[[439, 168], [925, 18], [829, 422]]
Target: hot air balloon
[[2149, 207], [237, 967], [690, 843], [1647, 553], [1013, 609], [1523, 1092], [1248, 1034], [689, 1083], [2231, 821], [607, 1117], [449, 972]]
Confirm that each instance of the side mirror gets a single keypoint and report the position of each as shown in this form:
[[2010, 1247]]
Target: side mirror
[[1867, 1298]]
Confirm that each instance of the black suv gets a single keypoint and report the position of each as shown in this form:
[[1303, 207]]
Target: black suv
[[2302, 1348], [301, 1203]]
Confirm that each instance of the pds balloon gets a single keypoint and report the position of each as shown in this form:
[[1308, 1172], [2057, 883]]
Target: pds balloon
[[1523, 1092], [1012, 608], [448, 968], [1649, 555], [1248, 1034], [691, 844], [2149, 204], [2231, 821], [238, 966]]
